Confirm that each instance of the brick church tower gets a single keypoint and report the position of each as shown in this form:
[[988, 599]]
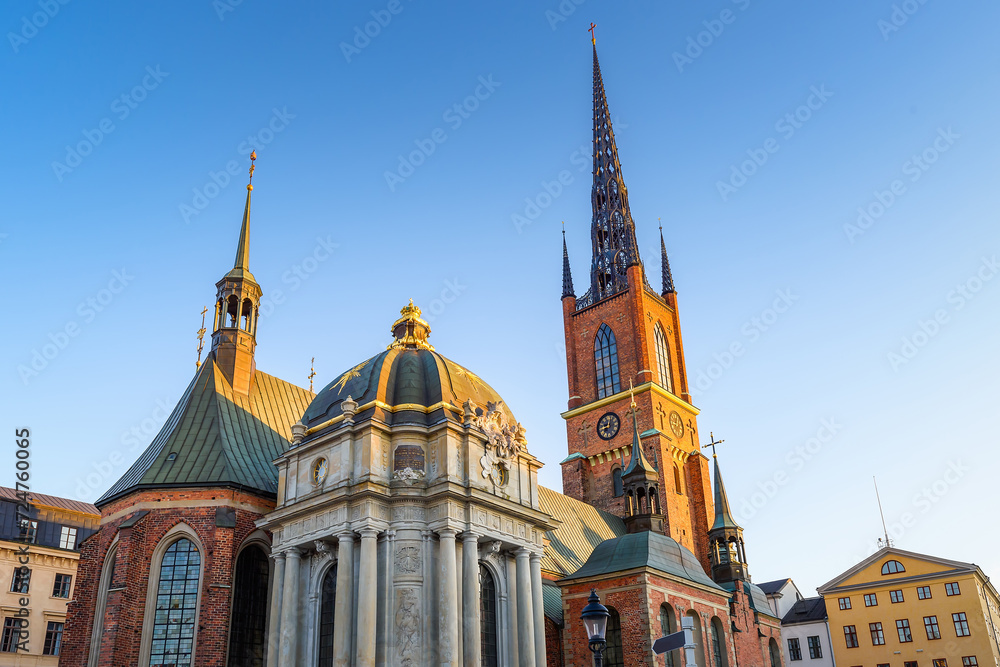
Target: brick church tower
[[623, 333]]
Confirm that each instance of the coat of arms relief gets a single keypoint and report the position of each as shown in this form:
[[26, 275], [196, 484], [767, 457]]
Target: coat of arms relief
[[504, 440]]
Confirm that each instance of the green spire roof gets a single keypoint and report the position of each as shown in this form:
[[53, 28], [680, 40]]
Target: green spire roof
[[723, 515], [241, 267], [218, 437]]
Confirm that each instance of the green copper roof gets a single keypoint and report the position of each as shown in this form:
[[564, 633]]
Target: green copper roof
[[644, 549], [638, 462], [217, 437], [582, 527], [552, 602], [723, 515]]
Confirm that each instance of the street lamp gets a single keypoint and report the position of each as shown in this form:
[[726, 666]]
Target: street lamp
[[595, 622]]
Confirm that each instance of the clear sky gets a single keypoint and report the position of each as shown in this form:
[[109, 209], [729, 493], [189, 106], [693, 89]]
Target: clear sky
[[120, 121]]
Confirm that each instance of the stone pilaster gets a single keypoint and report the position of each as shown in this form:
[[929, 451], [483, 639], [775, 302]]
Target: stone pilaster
[[367, 598], [525, 617], [344, 604], [471, 638], [448, 567], [289, 608], [274, 615], [538, 607]]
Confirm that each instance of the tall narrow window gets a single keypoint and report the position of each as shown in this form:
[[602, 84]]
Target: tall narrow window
[[328, 602], [932, 628], [662, 359], [815, 648], [67, 537], [613, 654], [794, 649], [719, 643], [247, 634], [851, 636], [616, 482], [878, 635], [488, 634], [961, 624], [11, 634], [772, 646], [21, 581], [668, 623], [53, 638], [606, 360], [176, 606], [107, 576], [60, 588], [903, 628], [677, 480]]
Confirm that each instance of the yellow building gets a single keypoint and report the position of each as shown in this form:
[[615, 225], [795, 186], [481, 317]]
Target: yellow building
[[39, 554], [902, 609]]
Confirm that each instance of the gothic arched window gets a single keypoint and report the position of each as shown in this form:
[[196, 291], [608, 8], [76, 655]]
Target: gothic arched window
[[606, 360], [176, 605], [616, 482], [677, 479], [107, 576], [488, 618], [775, 654], [613, 654], [662, 359], [668, 625], [328, 602], [719, 643], [247, 633]]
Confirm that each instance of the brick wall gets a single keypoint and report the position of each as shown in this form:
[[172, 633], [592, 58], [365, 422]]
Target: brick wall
[[125, 609]]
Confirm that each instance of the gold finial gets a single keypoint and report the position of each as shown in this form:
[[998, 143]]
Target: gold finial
[[312, 373], [410, 330], [253, 156], [201, 337], [593, 39]]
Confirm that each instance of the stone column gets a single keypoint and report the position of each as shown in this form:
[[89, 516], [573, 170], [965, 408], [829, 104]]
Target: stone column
[[274, 616], [367, 598], [289, 609], [470, 599], [538, 607], [343, 614], [448, 598], [525, 617]]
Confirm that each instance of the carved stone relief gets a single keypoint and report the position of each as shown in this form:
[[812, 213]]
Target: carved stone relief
[[407, 560], [407, 620]]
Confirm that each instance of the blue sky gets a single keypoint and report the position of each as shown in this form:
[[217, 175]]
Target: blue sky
[[120, 121]]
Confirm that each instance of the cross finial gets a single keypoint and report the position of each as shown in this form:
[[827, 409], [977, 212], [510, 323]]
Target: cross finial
[[593, 39], [253, 156], [712, 444], [312, 373], [201, 337]]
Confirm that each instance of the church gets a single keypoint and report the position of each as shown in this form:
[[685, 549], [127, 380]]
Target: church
[[394, 517]]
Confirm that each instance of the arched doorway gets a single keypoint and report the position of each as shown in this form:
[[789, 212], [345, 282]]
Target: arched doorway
[[327, 604]]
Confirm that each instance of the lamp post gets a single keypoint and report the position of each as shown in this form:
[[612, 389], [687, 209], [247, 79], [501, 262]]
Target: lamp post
[[595, 622]]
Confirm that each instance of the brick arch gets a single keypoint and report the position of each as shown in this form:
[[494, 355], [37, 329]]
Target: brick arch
[[104, 583]]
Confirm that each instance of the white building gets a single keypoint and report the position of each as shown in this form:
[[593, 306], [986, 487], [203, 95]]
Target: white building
[[806, 635]]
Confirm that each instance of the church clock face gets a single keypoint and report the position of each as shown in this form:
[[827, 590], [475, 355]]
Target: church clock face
[[676, 424], [608, 426]]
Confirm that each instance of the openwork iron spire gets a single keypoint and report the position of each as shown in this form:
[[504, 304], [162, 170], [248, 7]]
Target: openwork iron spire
[[567, 276], [612, 228], [668, 279]]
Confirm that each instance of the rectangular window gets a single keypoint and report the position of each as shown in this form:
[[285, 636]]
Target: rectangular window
[[882, 664], [878, 637], [871, 600], [61, 587], [851, 636], [895, 596], [11, 635], [910, 664], [845, 603], [21, 580], [961, 624], [815, 650], [952, 588], [53, 638], [903, 628], [940, 662], [794, 651], [29, 531], [931, 626], [67, 538], [970, 661], [923, 592]]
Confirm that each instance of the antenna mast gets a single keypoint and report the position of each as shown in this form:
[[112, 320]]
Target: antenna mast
[[888, 542]]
